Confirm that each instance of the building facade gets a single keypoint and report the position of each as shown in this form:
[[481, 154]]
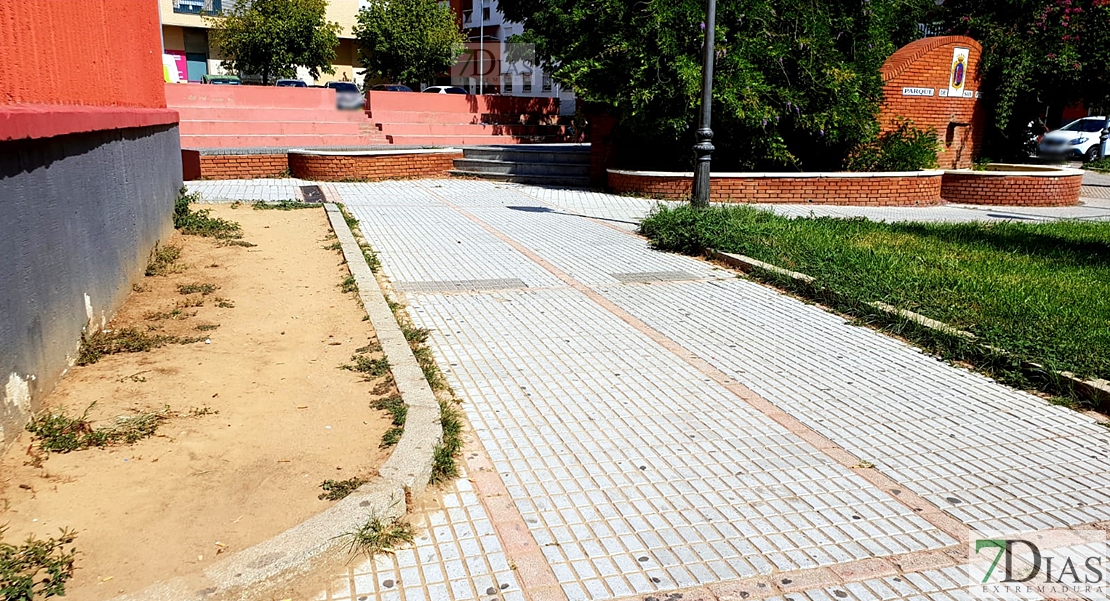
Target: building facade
[[185, 39]]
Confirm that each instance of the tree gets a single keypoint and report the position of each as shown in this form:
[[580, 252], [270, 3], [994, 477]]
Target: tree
[[271, 38], [797, 82], [1037, 55], [407, 41]]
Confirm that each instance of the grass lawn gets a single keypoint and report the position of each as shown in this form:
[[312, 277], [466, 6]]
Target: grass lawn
[[1040, 291]]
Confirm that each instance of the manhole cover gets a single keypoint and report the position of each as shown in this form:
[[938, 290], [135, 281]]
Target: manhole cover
[[312, 193]]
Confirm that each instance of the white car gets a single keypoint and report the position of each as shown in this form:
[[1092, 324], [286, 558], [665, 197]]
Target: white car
[[444, 90], [1076, 140], [347, 96]]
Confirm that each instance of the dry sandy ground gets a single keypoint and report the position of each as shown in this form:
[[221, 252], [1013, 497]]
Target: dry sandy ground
[[287, 418]]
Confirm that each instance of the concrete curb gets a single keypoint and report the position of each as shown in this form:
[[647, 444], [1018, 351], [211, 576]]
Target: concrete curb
[[1097, 390], [404, 476]]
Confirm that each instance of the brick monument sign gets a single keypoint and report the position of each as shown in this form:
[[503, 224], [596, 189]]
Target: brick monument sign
[[935, 82]]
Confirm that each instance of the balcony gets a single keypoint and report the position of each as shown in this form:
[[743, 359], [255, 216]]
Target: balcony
[[197, 7]]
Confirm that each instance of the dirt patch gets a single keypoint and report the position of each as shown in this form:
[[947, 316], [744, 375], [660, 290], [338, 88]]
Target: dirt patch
[[259, 413]]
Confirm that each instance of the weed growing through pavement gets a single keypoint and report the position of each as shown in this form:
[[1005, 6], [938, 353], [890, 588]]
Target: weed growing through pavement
[[377, 535], [36, 568], [163, 261], [197, 288], [368, 253], [335, 490]]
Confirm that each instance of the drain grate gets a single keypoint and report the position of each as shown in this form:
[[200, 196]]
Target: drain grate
[[644, 277], [434, 287], [312, 194]]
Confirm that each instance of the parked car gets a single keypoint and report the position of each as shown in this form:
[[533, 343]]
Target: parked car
[[347, 96], [224, 80], [290, 83], [1076, 140], [391, 87], [444, 90]]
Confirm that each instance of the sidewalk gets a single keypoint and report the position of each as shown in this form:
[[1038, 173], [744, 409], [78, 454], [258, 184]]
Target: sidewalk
[[647, 423]]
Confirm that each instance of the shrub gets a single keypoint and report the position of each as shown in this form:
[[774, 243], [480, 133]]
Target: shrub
[[905, 148]]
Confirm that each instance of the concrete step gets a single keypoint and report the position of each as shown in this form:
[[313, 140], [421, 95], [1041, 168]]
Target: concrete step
[[314, 115], [286, 141], [536, 180], [575, 154], [467, 140], [446, 129], [461, 118], [279, 128], [527, 168]]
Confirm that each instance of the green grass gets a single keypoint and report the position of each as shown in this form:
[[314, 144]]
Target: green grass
[[445, 465], [36, 568], [398, 411], [335, 490], [368, 367], [1038, 291], [379, 536], [348, 284], [1100, 165]]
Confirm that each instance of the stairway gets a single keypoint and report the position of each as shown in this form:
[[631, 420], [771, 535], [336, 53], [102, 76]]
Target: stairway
[[409, 119], [214, 117], [562, 165]]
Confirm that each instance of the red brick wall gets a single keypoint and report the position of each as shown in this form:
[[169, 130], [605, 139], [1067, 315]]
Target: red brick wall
[[959, 122], [371, 167], [984, 188], [856, 191], [243, 166]]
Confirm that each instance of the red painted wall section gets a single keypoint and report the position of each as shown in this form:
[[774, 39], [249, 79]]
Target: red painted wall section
[[65, 60], [926, 64]]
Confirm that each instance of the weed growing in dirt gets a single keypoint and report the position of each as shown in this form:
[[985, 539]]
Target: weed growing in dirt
[[189, 302], [124, 340], [36, 568], [349, 284], [398, 411], [197, 287], [163, 315], [243, 243], [284, 205], [224, 303], [201, 223], [61, 433], [369, 368], [138, 288], [379, 536], [207, 327], [335, 490], [163, 261], [334, 246]]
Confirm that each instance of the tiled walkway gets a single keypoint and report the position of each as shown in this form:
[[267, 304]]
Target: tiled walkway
[[646, 423]]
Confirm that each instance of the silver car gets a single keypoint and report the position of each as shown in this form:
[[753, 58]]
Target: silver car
[[347, 96]]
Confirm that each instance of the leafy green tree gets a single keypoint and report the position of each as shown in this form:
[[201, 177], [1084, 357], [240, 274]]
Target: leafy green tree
[[407, 41], [797, 82], [271, 38], [1037, 55]]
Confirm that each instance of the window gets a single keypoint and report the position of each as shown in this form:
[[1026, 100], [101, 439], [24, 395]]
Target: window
[[527, 83], [485, 13], [546, 82], [507, 83], [196, 7]]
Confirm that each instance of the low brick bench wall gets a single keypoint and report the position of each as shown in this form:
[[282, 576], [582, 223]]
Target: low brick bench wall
[[1014, 185], [909, 188], [372, 165]]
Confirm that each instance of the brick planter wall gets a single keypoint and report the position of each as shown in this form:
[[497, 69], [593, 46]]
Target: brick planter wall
[[371, 167], [1013, 188], [243, 166], [857, 189]]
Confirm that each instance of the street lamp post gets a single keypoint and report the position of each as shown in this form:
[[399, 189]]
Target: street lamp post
[[703, 148]]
